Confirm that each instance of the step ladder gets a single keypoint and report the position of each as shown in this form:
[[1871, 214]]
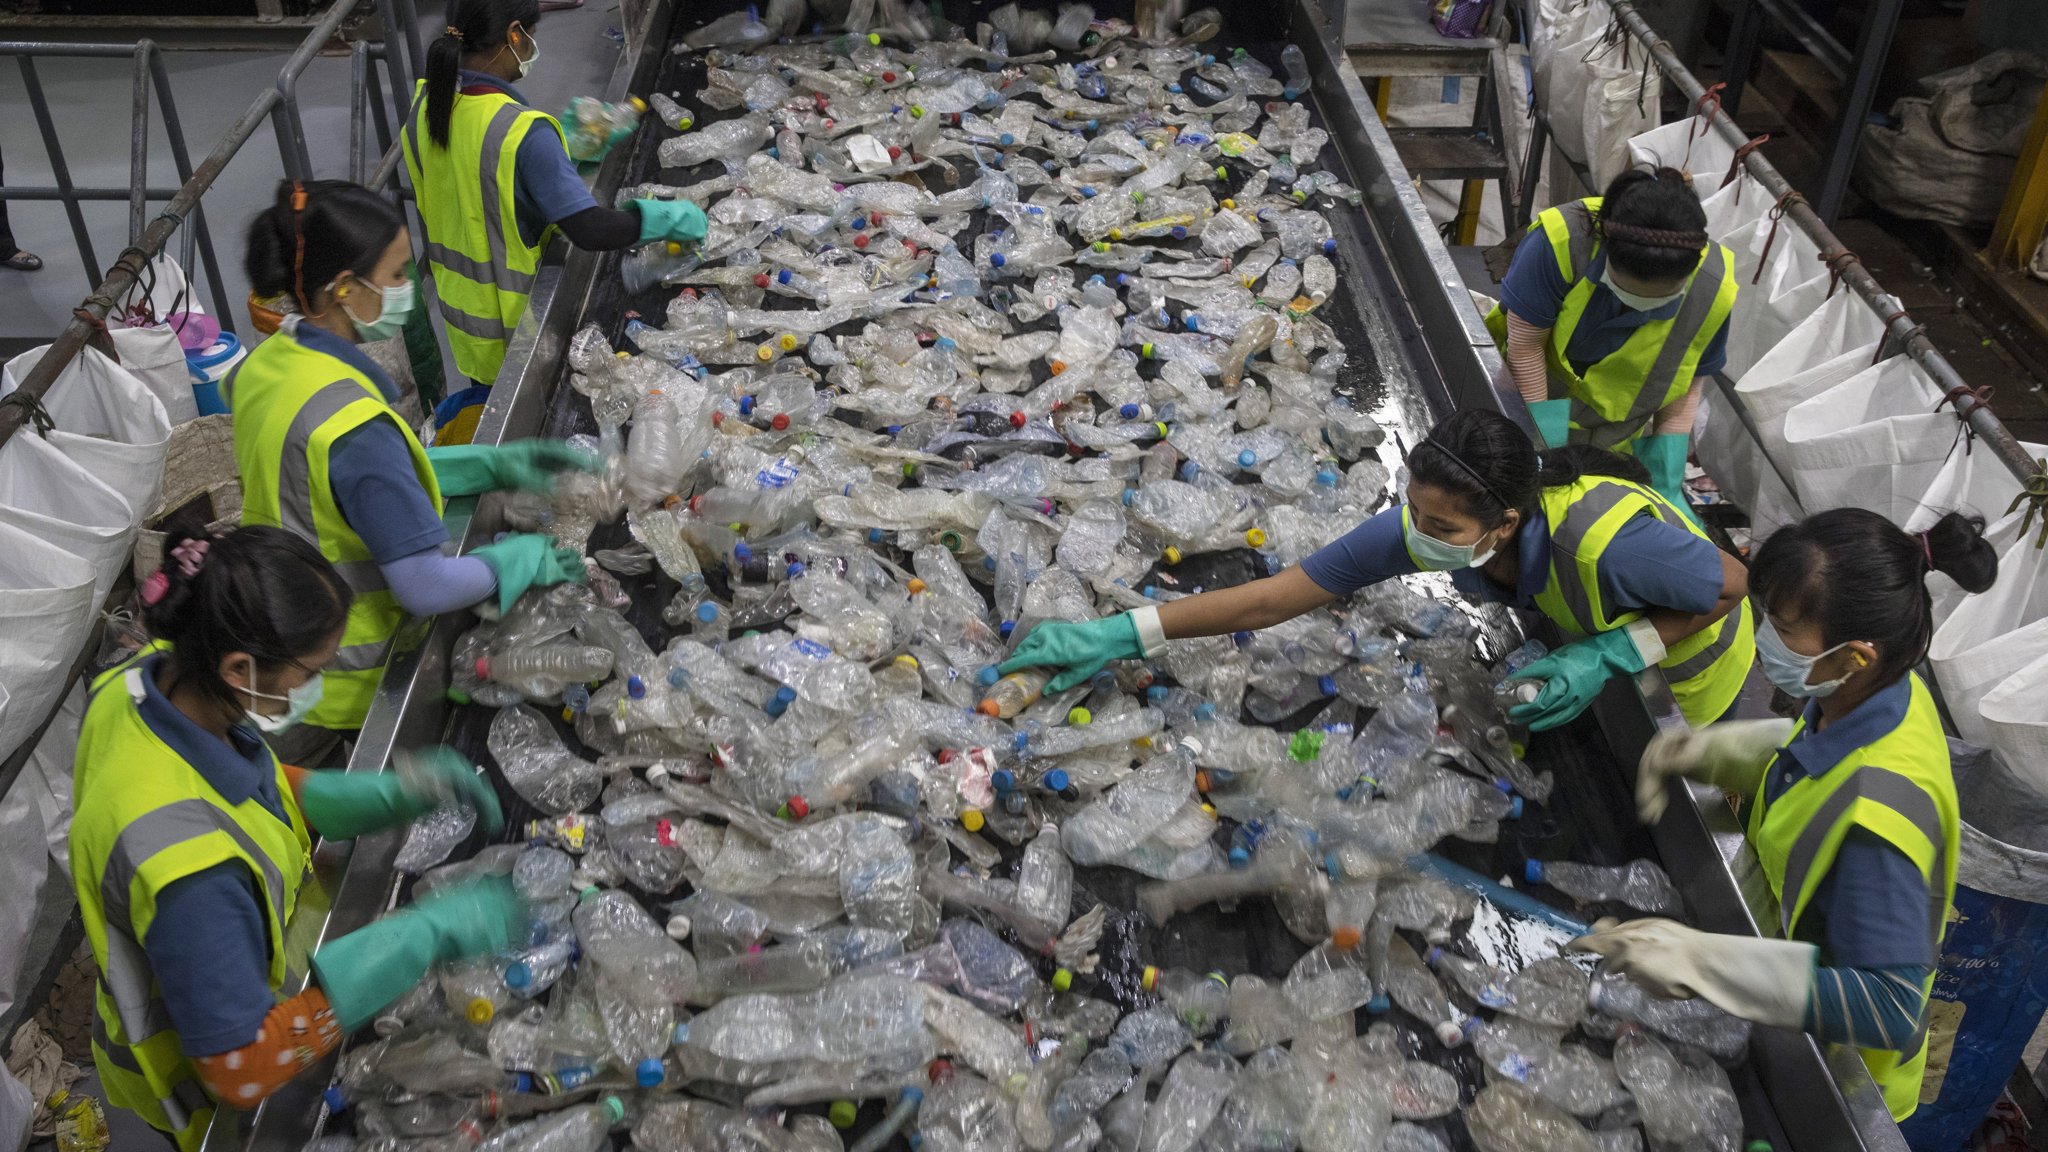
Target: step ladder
[[1389, 39]]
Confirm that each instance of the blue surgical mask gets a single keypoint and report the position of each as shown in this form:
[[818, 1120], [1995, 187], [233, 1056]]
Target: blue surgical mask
[[299, 703], [1434, 555], [395, 304], [1789, 670], [1636, 301]]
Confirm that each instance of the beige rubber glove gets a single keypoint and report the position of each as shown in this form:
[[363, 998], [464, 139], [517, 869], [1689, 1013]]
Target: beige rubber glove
[[1731, 756], [1766, 981]]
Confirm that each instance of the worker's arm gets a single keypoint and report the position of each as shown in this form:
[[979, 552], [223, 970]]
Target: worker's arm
[[549, 186], [1244, 608], [1876, 950], [371, 472], [1680, 581], [1525, 359], [1676, 417], [1674, 624]]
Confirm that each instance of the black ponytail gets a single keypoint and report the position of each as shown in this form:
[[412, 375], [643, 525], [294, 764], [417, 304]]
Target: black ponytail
[[264, 591], [1860, 577], [476, 28], [1652, 225], [1566, 465], [296, 251], [1483, 459]]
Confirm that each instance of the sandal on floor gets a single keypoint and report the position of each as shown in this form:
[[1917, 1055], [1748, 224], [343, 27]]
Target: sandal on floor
[[23, 262]]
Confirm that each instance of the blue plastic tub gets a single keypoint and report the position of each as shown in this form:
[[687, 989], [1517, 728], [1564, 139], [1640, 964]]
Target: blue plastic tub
[[209, 366]]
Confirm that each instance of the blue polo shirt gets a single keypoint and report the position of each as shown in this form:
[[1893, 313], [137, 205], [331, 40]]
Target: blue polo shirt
[[370, 468], [1870, 910], [545, 184], [208, 944], [1649, 564], [1535, 290]]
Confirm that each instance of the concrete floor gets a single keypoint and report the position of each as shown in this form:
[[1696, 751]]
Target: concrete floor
[[90, 101]]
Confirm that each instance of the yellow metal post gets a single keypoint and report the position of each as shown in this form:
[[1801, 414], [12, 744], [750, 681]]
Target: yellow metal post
[[1468, 212], [2024, 216], [1382, 94]]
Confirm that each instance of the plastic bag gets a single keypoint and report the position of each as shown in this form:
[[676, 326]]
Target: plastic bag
[[46, 608], [108, 422], [1874, 441]]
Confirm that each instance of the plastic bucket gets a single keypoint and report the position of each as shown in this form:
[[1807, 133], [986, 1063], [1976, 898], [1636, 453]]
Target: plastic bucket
[[210, 365], [1991, 983]]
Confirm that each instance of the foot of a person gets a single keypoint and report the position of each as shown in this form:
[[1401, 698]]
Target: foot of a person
[[23, 262]]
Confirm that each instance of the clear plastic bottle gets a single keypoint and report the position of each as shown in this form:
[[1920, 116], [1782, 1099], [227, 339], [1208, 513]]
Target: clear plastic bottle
[[654, 264], [671, 112], [1014, 693], [592, 126], [1193, 1093], [1045, 880], [1684, 1103], [1639, 884]]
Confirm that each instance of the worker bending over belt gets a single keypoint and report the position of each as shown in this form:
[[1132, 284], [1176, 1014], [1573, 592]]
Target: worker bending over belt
[[191, 840], [1613, 312], [1851, 808], [494, 180], [1576, 534], [322, 454]]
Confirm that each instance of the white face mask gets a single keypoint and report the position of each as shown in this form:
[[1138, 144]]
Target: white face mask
[[1637, 302], [1790, 670], [1433, 555], [526, 65], [299, 703]]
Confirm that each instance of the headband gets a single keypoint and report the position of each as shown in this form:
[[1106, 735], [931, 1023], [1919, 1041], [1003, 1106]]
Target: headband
[[1654, 237], [1470, 472]]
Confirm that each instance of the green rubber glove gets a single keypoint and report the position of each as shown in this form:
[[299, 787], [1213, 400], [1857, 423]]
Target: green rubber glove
[[1553, 421], [1573, 675], [529, 560], [1081, 649], [523, 465], [343, 805], [670, 220], [1664, 456], [373, 966]]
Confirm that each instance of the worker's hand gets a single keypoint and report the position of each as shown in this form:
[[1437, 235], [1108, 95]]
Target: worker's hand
[[1574, 674], [670, 220], [370, 968], [1553, 420], [1080, 649], [523, 465], [526, 560], [1730, 755], [343, 805], [1664, 456], [1767, 981]]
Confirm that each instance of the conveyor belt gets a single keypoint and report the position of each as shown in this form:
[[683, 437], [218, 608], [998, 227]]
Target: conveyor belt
[[1396, 285]]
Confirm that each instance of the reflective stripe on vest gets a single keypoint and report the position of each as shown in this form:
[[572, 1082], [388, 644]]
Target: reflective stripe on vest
[[291, 404], [1706, 669], [1619, 394], [483, 269], [1900, 788], [146, 819]]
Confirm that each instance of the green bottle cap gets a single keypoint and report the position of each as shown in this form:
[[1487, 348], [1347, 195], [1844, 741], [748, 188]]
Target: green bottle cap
[[842, 1113]]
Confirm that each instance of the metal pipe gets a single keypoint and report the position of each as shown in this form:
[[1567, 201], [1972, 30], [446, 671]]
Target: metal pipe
[[1899, 325], [358, 92], [380, 111], [181, 160], [46, 192], [138, 141], [39, 104]]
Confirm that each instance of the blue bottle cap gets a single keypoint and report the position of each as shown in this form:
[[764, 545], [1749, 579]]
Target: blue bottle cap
[[706, 612], [1247, 458], [988, 563], [636, 687], [1330, 246], [1515, 808], [677, 677], [912, 1095], [795, 569], [746, 405], [1128, 493], [774, 153], [1057, 780], [785, 695], [1192, 321], [945, 343], [1155, 693], [1533, 871], [1331, 866], [1180, 232], [1189, 470], [1290, 93], [784, 276], [1327, 685], [741, 552], [1204, 710], [1003, 779], [1503, 785], [1173, 88], [337, 1100], [1240, 638], [859, 222], [648, 1073], [1020, 742], [522, 1082], [1129, 411], [1239, 858], [1344, 793], [1007, 627], [518, 974], [1379, 1005], [1088, 192], [1006, 139], [876, 535], [988, 675], [995, 259]]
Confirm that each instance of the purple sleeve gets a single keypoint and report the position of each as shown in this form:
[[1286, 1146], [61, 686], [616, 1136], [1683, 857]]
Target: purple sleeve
[[210, 953], [370, 470], [1534, 289], [429, 582], [1368, 554]]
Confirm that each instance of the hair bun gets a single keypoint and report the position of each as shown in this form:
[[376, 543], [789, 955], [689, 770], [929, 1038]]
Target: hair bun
[[1957, 549]]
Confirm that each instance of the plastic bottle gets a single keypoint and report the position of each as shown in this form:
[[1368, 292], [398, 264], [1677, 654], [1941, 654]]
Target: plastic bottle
[[1684, 1104], [654, 264], [671, 112], [593, 125], [1639, 884], [1014, 693], [1189, 1100], [1296, 66]]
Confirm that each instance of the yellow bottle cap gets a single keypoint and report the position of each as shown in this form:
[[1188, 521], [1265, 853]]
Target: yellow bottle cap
[[972, 820], [907, 660], [875, 38], [1172, 555], [675, 249], [1078, 715], [479, 1011], [1062, 980], [1256, 537], [916, 586], [764, 353], [1229, 203]]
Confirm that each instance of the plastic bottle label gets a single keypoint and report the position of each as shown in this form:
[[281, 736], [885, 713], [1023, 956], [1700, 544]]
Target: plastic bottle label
[[780, 474]]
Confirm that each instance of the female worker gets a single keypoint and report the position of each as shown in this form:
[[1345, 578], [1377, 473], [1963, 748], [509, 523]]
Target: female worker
[[493, 179], [1854, 812], [321, 452], [1574, 534], [1612, 313], [190, 840]]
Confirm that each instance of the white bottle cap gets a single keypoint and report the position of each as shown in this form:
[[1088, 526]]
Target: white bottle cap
[[679, 927]]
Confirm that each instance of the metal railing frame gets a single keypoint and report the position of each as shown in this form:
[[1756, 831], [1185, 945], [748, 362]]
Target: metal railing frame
[[1901, 332]]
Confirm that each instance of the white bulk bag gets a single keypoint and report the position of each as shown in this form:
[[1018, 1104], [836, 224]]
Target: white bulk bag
[[1622, 101], [44, 493], [1690, 145], [46, 609], [1874, 441], [1976, 484], [1988, 637], [154, 356], [1768, 305], [1732, 213], [107, 421], [2014, 718]]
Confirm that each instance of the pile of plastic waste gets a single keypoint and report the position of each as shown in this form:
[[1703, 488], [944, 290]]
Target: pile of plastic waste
[[1046, 342]]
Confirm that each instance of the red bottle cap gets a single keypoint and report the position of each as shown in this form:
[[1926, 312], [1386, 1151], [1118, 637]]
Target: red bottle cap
[[780, 422], [1018, 419], [798, 809]]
